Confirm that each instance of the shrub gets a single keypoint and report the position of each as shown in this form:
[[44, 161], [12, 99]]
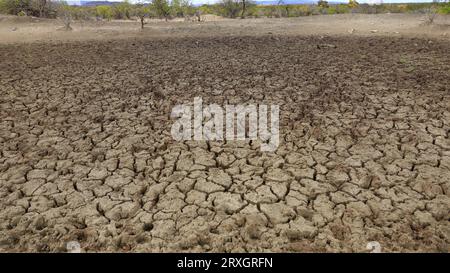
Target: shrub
[[205, 9], [82, 13], [352, 4], [122, 10], [182, 8], [341, 8], [104, 12], [323, 4], [304, 10], [332, 10], [38, 8], [14, 7], [445, 9], [65, 13], [230, 8], [141, 11]]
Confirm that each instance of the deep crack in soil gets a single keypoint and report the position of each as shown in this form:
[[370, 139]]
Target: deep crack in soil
[[87, 153]]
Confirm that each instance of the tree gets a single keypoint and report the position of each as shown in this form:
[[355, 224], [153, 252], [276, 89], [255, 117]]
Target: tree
[[283, 7], [41, 7], [64, 12], [323, 4], [247, 5], [352, 4], [162, 8], [122, 10], [244, 8], [176, 8], [38, 8], [14, 7], [105, 12], [432, 11], [141, 11], [230, 8], [188, 9], [445, 9], [198, 15], [182, 8]]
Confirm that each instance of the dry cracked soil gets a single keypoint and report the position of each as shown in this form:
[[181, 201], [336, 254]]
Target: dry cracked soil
[[364, 154]]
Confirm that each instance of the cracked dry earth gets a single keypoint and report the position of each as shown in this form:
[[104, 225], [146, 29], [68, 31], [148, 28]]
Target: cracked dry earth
[[364, 149]]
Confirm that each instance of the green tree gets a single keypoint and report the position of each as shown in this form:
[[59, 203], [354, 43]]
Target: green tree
[[141, 11], [122, 10], [176, 8], [14, 7], [352, 4], [38, 8], [162, 8], [105, 12], [323, 4]]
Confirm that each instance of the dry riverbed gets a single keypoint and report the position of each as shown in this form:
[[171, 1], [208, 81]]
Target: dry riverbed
[[364, 150]]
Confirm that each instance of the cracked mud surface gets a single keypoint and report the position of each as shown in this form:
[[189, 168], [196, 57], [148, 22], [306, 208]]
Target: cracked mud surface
[[364, 150]]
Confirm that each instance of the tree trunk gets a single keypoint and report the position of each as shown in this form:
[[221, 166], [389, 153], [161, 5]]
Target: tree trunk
[[244, 7], [42, 11], [142, 22]]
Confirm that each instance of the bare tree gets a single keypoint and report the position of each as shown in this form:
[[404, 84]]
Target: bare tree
[[431, 13], [141, 10], [64, 12], [67, 21], [231, 8], [42, 7], [198, 15], [244, 8], [282, 6]]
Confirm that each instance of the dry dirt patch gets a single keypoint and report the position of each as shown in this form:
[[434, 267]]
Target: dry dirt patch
[[19, 29], [87, 153]]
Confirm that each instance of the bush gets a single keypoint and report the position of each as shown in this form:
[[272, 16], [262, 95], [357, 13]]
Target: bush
[[206, 9], [342, 9], [122, 10], [352, 4], [162, 8], [445, 9], [323, 4], [104, 12], [37, 8], [14, 7], [332, 10], [230, 8], [65, 13], [304, 10]]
